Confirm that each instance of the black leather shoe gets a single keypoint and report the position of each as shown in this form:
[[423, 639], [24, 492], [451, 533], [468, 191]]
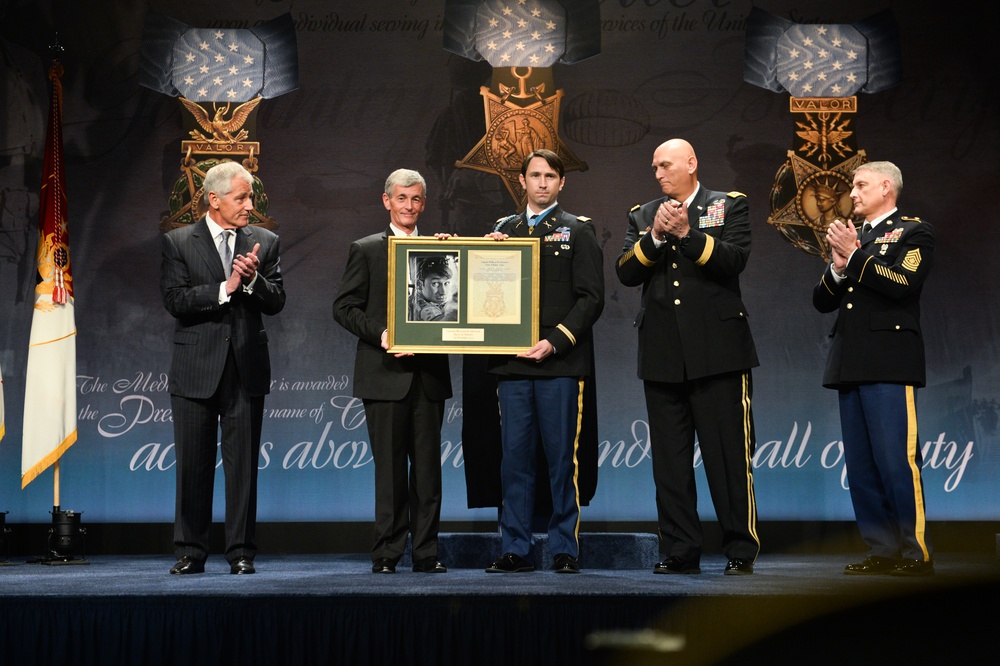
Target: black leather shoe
[[383, 565], [565, 564], [242, 565], [872, 566], [913, 568], [510, 563], [738, 567], [429, 565], [675, 565], [188, 565]]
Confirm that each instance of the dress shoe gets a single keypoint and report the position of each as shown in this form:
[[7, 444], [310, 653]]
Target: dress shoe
[[429, 565], [737, 566], [383, 565], [872, 566], [510, 563], [675, 565], [188, 565], [913, 568], [242, 565], [565, 564]]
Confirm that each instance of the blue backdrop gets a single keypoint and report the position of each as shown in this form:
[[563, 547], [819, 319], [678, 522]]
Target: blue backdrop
[[377, 92]]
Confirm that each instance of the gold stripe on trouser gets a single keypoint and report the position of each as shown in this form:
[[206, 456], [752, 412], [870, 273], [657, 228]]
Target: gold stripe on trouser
[[576, 462], [747, 431], [920, 523]]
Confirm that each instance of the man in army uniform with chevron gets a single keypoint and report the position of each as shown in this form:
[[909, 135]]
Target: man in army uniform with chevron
[[876, 363]]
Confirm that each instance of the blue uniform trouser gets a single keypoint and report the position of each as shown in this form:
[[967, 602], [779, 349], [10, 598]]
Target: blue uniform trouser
[[549, 410], [882, 450]]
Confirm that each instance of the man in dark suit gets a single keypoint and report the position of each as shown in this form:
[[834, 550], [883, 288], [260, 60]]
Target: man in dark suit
[[541, 390], [218, 277], [876, 364], [403, 394], [687, 250]]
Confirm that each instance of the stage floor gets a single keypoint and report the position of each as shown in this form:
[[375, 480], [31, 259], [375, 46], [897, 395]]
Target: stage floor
[[330, 609], [350, 574]]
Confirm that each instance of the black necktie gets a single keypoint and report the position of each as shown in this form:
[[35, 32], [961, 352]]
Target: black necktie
[[865, 228]]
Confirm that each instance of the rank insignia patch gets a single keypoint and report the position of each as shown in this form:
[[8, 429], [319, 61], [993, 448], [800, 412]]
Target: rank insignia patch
[[911, 261]]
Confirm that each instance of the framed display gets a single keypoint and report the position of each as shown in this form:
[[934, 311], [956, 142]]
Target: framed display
[[462, 295]]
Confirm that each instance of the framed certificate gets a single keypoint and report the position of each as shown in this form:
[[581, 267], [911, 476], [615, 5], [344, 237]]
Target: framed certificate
[[462, 295]]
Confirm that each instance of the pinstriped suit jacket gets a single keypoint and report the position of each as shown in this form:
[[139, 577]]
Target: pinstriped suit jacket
[[190, 275]]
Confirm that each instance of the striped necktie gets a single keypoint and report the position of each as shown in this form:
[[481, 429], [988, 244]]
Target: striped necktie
[[225, 252]]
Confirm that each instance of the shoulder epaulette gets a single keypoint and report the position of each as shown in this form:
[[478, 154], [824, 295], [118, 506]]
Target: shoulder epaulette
[[911, 219], [583, 218], [634, 207], [735, 194]]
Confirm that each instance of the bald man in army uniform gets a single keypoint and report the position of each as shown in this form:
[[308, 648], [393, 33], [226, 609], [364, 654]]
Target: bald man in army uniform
[[687, 250]]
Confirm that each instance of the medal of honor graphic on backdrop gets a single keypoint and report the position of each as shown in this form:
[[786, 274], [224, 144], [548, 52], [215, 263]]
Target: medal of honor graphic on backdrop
[[521, 41], [220, 77], [823, 67]]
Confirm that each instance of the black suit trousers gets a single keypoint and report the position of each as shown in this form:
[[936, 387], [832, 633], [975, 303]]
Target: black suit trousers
[[196, 436], [406, 447], [718, 409]]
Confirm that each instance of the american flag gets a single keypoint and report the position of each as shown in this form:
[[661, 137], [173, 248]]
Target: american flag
[[818, 60], [521, 33], [211, 65]]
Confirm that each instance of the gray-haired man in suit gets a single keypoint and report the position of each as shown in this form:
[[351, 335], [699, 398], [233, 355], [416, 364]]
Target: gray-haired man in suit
[[403, 394], [218, 277]]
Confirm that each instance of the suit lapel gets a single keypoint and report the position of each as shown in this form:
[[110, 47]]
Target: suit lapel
[[519, 226], [866, 239], [547, 224], [543, 227], [697, 208], [884, 227], [206, 248], [244, 241]]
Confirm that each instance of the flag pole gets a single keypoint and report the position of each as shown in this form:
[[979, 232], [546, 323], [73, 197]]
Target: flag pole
[[50, 426], [56, 50], [66, 535]]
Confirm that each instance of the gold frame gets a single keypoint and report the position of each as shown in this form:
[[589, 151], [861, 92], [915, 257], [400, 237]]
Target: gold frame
[[493, 316]]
